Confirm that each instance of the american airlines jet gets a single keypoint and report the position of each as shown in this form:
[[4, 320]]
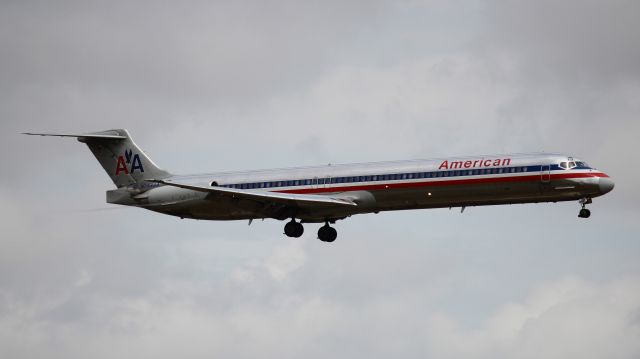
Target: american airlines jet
[[326, 194]]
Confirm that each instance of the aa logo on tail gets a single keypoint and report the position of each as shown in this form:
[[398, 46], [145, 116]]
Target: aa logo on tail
[[129, 163]]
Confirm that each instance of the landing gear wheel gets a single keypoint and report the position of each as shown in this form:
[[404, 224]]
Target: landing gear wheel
[[584, 213], [327, 233], [293, 229]]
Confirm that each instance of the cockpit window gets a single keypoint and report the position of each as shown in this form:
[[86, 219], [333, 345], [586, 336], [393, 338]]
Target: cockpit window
[[571, 164]]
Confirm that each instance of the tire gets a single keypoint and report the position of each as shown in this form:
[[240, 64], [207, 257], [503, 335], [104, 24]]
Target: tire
[[327, 234], [291, 229]]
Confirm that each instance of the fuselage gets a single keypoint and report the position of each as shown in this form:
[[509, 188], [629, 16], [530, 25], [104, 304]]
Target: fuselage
[[383, 186]]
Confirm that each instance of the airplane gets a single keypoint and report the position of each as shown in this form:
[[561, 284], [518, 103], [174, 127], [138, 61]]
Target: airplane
[[326, 194]]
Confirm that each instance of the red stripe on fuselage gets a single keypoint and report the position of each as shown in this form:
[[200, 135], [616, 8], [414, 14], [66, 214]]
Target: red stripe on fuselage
[[438, 183]]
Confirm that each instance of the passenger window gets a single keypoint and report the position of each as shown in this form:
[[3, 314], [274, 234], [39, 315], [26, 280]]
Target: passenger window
[[572, 164]]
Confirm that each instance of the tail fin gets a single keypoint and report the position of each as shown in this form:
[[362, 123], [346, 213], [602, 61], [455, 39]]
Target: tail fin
[[120, 157]]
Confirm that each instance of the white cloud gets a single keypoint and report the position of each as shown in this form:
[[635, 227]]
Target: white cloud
[[565, 318]]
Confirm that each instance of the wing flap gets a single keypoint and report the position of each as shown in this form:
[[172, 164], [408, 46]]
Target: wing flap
[[302, 200]]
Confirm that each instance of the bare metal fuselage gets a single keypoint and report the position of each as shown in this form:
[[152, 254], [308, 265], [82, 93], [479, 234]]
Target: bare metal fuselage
[[375, 187]]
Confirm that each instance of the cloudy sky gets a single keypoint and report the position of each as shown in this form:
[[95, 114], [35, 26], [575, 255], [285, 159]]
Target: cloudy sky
[[221, 85]]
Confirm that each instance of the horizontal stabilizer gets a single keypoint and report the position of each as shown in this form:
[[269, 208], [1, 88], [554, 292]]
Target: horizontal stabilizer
[[301, 200], [115, 136]]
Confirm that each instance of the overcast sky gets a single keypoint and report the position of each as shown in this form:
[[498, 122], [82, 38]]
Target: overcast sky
[[221, 85]]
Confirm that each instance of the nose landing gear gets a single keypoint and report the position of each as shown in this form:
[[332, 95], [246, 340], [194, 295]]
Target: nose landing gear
[[293, 229], [584, 212]]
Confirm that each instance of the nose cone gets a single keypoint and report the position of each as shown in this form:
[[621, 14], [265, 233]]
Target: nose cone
[[606, 184]]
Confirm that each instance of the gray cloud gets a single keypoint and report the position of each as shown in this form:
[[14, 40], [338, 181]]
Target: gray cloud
[[576, 43], [229, 85]]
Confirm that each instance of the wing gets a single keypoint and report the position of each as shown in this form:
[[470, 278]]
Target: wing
[[290, 199]]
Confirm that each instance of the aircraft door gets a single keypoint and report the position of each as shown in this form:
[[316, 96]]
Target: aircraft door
[[545, 173]]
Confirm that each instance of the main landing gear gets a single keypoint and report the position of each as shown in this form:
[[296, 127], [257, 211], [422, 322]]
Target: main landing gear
[[295, 229], [327, 233], [584, 212]]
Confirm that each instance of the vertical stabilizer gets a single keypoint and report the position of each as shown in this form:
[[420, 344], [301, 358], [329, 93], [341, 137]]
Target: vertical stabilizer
[[120, 157]]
